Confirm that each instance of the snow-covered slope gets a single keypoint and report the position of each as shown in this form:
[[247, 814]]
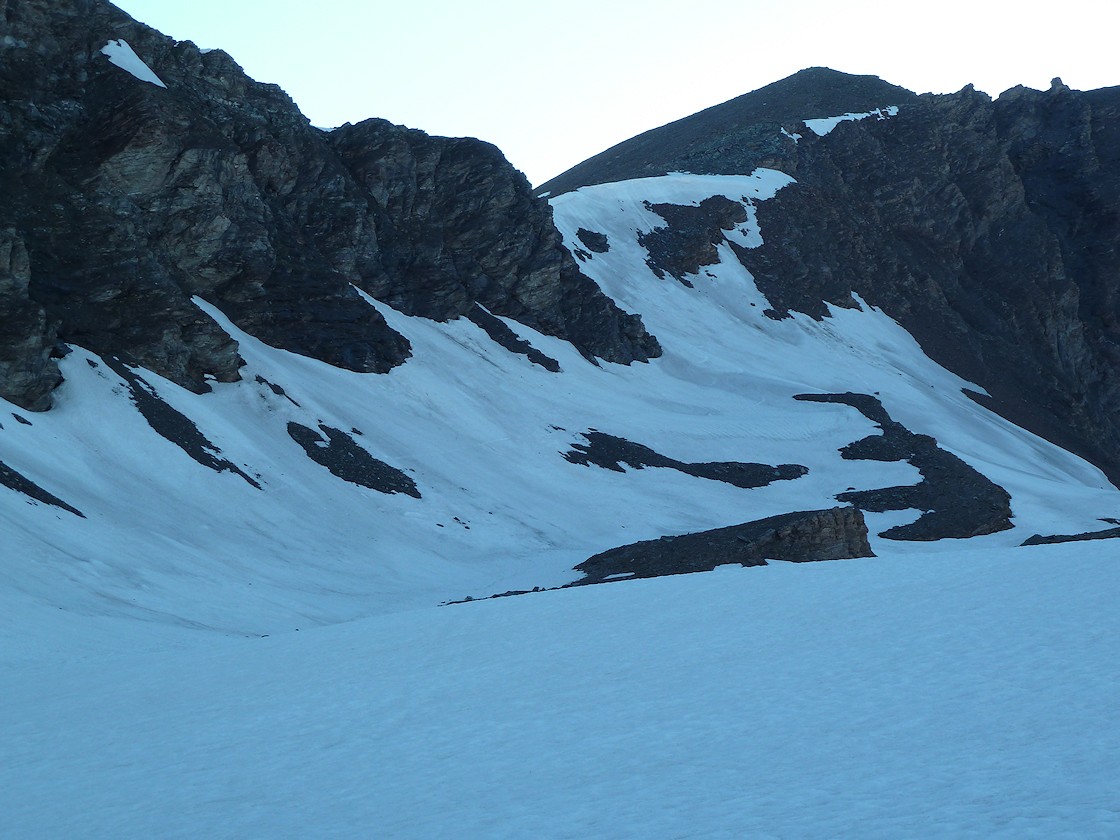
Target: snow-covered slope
[[972, 694], [482, 432]]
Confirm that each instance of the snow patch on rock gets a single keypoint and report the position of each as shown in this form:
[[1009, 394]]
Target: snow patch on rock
[[123, 56], [824, 125]]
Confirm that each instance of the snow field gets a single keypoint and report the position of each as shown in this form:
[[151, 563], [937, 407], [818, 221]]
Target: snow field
[[971, 694]]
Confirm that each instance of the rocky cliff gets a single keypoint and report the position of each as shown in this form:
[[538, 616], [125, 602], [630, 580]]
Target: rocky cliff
[[124, 198], [804, 536], [988, 229]]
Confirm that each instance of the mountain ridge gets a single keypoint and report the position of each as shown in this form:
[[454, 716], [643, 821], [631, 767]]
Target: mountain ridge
[[735, 136], [989, 229], [125, 199]]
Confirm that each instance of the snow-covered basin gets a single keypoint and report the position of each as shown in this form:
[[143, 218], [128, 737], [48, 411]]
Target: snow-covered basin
[[972, 694], [482, 432]]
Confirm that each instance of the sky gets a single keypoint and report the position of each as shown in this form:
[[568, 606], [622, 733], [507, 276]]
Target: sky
[[552, 83]]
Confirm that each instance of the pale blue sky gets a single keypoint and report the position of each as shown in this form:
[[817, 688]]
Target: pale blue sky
[[553, 83]]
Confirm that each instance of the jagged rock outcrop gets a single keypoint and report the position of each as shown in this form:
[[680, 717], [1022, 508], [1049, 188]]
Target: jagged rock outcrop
[[340, 453], [26, 337], [441, 255], [124, 199], [835, 534], [690, 238], [988, 229], [956, 501]]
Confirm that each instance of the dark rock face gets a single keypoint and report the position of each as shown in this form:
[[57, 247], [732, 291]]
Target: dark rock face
[[994, 249], [834, 534], [123, 200], [610, 452], [989, 230], [26, 337], [689, 240], [958, 502], [459, 225], [339, 453]]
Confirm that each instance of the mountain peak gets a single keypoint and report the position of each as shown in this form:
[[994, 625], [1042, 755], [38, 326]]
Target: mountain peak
[[716, 140]]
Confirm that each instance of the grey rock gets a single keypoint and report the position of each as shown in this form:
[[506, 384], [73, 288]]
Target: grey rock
[[736, 136], [22, 484], [1001, 261], [593, 240], [458, 225], [507, 338], [173, 425], [26, 337], [689, 239], [834, 534]]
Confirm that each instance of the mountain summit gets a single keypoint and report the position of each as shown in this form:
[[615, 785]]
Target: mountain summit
[[736, 136]]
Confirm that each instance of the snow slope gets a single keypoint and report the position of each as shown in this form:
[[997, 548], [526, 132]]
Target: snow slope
[[972, 694], [482, 431]]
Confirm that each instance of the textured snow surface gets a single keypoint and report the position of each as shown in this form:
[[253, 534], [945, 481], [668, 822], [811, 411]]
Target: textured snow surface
[[124, 57], [823, 126], [972, 694]]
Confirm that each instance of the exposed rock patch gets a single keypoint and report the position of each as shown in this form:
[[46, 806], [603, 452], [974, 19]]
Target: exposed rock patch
[[173, 425], [276, 389], [958, 502], [593, 240], [339, 453], [507, 338], [21, 484], [610, 452], [1108, 534], [835, 534], [691, 235]]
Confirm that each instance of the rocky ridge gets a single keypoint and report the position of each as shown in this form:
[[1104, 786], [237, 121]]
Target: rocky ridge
[[123, 200]]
